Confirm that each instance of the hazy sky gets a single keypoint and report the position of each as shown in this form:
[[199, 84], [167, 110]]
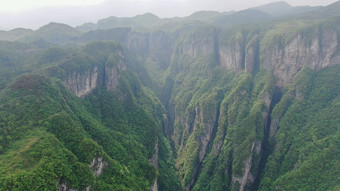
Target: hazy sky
[[36, 13]]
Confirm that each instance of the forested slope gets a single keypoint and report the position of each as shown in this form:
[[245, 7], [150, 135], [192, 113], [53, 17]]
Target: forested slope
[[50, 138], [206, 102]]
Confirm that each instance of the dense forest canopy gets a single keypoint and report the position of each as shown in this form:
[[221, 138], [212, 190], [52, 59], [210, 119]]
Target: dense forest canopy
[[244, 100]]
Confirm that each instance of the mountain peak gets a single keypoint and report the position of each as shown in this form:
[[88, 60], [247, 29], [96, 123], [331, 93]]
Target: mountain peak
[[277, 4], [148, 15], [282, 8], [54, 25], [202, 14], [274, 7]]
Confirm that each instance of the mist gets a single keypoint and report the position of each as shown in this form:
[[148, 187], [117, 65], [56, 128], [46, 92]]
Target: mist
[[76, 15]]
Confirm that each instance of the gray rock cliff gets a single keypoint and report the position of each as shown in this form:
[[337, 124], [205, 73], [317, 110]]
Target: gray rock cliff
[[82, 83], [286, 62]]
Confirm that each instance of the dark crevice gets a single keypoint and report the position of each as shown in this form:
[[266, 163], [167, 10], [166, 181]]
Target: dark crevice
[[196, 175], [217, 47], [103, 80], [214, 131], [257, 57], [243, 54], [266, 150], [165, 98], [229, 171]]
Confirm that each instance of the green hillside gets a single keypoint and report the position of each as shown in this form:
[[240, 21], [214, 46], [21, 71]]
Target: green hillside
[[239, 101]]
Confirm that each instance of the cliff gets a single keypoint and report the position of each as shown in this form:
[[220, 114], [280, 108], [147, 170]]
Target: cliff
[[185, 106], [315, 52], [82, 74], [201, 137], [247, 51]]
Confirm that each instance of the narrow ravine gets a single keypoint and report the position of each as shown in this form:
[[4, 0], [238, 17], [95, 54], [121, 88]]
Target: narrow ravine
[[266, 149]]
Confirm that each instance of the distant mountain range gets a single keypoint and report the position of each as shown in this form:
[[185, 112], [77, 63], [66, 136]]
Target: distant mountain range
[[149, 20]]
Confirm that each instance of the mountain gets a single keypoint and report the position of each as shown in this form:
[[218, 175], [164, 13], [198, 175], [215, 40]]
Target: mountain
[[243, 17], [240, 101], [15, 34], [147, 20], [69, 141], [328, 11], [53, 32], [281, 8]]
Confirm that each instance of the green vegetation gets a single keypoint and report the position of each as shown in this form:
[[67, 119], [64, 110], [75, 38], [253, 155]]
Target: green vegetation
[[306, 155], [50, 137], [160, 105]]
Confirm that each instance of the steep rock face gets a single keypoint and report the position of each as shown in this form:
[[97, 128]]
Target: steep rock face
[[236, 56], [154, 161], [231, 57], [251, 55], [196, 45], [82, 83], [112, 77], [112, 72], [206, 117], [180, 125], [267, 99], [98, 165], [316, 52], [138, 42], [286, 62], [248, 177], [161, 47], [199, 129]]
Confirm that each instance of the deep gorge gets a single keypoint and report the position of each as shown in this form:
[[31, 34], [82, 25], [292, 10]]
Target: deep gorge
[[184, 105]]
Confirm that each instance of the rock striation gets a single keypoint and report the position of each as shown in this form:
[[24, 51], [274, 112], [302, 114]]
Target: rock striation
[[316, 54], [81, 83]]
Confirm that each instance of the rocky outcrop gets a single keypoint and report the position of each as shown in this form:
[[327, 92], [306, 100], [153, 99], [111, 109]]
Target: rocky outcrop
[[206, 117], [200, 43], [201, 129], [267, 99], [231, 57], [112, 72], [248, 177], [112, 78], [98, 165], [161, 47], [237, 57], [154, 161], [63, 187], [138, 42], [83, 83], [251, 55], [286, 62]]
